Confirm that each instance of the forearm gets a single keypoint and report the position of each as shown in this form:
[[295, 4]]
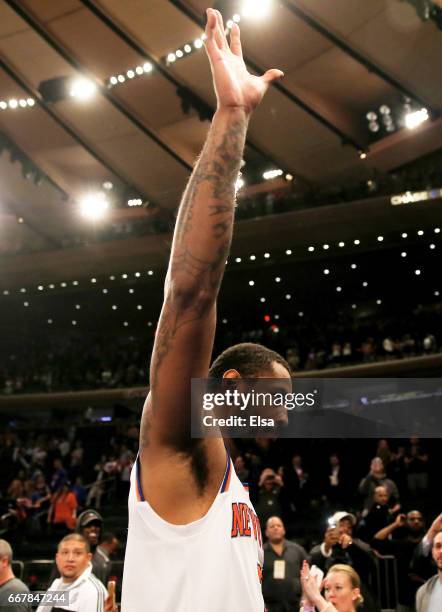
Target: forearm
[[385, 532], [204, 226]]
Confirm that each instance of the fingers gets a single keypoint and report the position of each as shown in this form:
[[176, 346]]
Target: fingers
[[221, 30], [272, 75], [235, 40]]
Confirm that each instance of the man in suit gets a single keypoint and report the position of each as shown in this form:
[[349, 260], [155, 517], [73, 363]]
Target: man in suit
[[429, 596]]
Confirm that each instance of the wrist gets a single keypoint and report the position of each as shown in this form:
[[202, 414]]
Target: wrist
[[235, 112]]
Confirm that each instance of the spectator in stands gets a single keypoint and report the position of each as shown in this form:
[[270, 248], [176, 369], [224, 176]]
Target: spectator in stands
[[378, 517], [421, 566], [397, 470], [335, 485], [240, 468], [342, 590], [101, 560], [340, 547], [429, 596], [89, 525], [9, 584], [283, 559], [268, 504], [62, 514], [416, 461], [80, 492], [59, 476], [383, 451], [73, 561], [400, 539], [296, 481], [375, 478]]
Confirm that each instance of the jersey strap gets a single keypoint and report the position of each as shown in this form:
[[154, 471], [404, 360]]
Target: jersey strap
[[227, 474], [140, 495]]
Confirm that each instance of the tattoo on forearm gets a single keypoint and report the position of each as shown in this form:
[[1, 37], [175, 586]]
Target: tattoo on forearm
[[215, 175]]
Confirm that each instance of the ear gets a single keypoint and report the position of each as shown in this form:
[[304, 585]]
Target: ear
[[89, 556], [356, 594], [232, 374]]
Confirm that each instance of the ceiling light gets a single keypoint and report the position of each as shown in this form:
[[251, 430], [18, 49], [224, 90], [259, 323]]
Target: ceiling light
[[114, 307], [125, 324], [342, 244], [256, 9], [432, 246], [137, 274], [288, 252], [26, 304], [179, 53], [74, 322], [75, 282], [252, 257], [5, 292], [198, 43], [93, 280], [121, 78], [357, 241], [150, 272], [50, 321], [238, 260], [13, 103], [288, 296], [22, 290], [365, 284], [93, 206], [82, 89], [139, 70], [224, 321], [251, 283], [378, 302], [236, 18], [108, 185], [404, 235], [403, 254], [437, 230], [416, 118], [420, 233], [311, 249], [105, 290], [353, 306], [130, 74], [113, 80], [147, 67], [187, 48], [325, 247], [380, 238], [77, 306], [139, 307], [63, 284], [150, 323], [338, 289], [436, 293], [326, 271], [385, 110], [271, 174], [362, 155], [51, 286], [353, 266], [289, 177], [417, 272], [300, 314], [23, 103], [3, 105], [277, 279], [266, 255], [40, 287], [262, 299], [131, 290]]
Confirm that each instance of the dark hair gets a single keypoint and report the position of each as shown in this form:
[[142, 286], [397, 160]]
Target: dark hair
[[108, 537], [78, 538], [248, 359]]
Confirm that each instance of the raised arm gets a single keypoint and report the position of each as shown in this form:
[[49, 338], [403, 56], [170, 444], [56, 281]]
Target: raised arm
[[185, 333]]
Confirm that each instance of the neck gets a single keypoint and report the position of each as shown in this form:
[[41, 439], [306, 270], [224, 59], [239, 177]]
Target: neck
[[278, 544], [440, 575], [7, 575]]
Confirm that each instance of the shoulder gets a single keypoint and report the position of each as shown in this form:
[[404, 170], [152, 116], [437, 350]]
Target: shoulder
[[294, 546], [94, 588], [16, 586]]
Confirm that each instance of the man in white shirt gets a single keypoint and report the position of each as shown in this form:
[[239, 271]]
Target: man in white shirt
[[84, 592], [429, 596]]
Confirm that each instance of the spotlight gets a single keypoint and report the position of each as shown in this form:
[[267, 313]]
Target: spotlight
[[171, 58], [416, 118], [113, 80], [251, 283], [23, 103], [420, 233], [357, 241], [311, 249], [266, 255], [288, 252], [147, 67], [326, 271], [121, 78], [325, 247], [179, 53], [13, 103], [378, 302], [94, 206], [139, 70], [130, 74], [238, 260], [380, 238], [271, 174], [108, 185], [187, 48], [403, 254], [353, 266], [417, 272], [338, 289], [404, 235], [3, 105], [362, 155], [342, 244], [198, 43], [82, 89], [256, 9], [288, 296]]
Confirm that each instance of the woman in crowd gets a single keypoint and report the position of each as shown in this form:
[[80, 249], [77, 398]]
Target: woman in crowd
[[341, 589]]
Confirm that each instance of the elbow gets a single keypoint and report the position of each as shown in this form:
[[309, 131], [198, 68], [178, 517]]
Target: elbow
[[190, 295]]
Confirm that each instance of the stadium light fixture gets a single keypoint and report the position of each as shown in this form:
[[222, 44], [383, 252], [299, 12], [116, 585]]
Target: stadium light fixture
[[94, 206]]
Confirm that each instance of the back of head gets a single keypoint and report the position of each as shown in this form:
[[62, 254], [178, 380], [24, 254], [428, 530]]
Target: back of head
[[5, 551], [248, 359]]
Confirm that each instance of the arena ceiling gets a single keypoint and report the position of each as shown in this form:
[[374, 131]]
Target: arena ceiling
[[341, 60]]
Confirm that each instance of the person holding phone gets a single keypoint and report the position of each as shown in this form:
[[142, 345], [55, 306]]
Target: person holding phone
[[342, 590]]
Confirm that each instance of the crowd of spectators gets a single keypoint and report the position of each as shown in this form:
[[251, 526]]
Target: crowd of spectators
[[77, 362], [339, 506]]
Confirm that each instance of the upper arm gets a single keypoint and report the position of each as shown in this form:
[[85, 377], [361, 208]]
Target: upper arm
[[182, 351]]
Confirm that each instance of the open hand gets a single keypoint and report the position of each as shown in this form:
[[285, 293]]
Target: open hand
[[235, 87]]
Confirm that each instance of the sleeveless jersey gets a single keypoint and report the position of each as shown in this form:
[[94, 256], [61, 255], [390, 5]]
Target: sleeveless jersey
[[214, 563]]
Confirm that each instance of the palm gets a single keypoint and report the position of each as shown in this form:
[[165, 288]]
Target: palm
[[234, 86]]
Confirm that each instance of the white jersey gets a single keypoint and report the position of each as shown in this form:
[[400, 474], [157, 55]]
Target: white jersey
[[214, 563]]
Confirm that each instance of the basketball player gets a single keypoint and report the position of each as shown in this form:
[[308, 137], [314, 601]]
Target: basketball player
[[194, 542]]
